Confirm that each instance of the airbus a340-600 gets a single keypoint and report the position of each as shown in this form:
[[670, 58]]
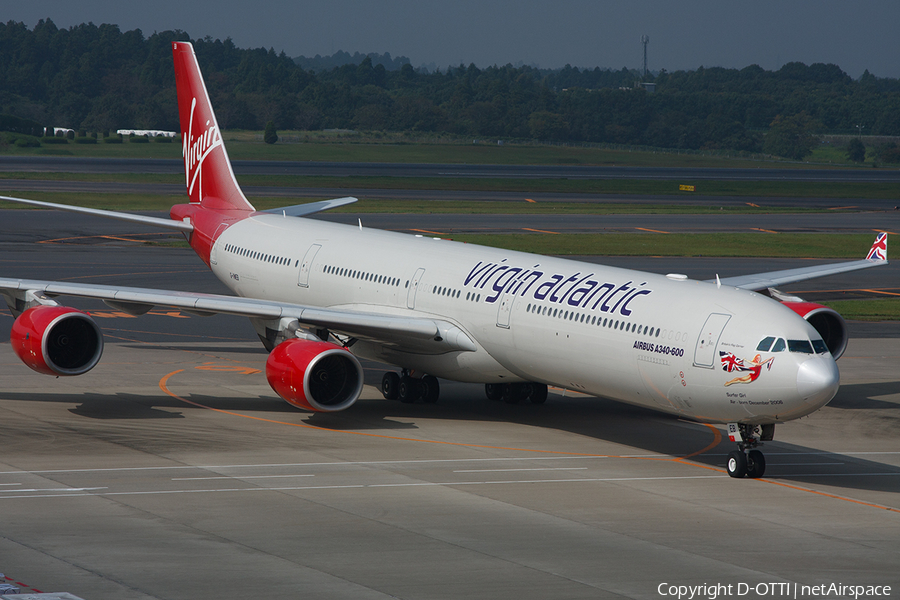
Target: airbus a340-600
[[321, 294]]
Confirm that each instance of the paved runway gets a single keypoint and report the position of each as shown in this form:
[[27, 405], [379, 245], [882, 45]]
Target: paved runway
[[61, 164], [173, 471], [448, 224]]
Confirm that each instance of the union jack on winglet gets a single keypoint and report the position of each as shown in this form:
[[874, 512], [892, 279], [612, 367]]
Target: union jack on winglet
[[879, 248]]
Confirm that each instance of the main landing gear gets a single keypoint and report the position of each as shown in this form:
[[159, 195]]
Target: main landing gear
[[513, 393], [408, 389], [747, 461]]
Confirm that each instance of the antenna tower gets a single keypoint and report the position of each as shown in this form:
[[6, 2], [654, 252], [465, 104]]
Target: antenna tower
[[645, 39]]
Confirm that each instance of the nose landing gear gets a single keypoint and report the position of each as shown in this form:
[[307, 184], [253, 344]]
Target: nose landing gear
[[747, 461]]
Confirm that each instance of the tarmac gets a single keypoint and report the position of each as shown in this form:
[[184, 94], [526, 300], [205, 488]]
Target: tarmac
[[172, 470]]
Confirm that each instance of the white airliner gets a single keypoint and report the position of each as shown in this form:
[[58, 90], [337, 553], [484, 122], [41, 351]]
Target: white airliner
[[321, 294]]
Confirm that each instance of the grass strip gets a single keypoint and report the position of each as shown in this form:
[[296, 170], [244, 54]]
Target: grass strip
[[874, 309], [246, 145]]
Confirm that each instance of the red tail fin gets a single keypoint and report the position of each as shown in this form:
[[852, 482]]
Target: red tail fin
[[208, 175]]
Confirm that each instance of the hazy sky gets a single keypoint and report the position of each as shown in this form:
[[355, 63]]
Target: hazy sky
[[683, 35]]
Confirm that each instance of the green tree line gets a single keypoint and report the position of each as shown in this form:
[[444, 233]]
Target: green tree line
[[98, 78]]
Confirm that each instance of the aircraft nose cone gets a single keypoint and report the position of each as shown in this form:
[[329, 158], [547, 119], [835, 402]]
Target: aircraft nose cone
[[818, 380]]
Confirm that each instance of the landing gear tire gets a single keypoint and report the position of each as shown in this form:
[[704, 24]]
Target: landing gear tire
[[432, 389], [390, 384], [493, 391], [737, 464], [408, 389], [756, 464], [538, 393], [513, 393]]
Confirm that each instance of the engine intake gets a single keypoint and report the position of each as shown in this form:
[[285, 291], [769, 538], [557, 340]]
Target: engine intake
[[57, 340], [314, 375], [827, 322]]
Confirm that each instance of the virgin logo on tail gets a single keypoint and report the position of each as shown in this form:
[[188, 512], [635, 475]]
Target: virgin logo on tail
[[196, 149]]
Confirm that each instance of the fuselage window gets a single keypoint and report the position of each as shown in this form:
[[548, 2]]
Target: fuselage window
[[801, 346], [779, 345]]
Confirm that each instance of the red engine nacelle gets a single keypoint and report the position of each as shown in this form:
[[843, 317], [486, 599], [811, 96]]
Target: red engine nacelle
[[827, 322], [57, 340], [314, 375]]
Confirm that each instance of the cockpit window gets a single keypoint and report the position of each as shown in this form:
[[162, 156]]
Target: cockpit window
[[779, 345], [765, 344], [802, 346], [819, 346]]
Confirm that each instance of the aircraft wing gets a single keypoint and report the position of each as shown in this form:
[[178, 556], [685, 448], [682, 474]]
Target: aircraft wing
[[876, 257], [420, 333]]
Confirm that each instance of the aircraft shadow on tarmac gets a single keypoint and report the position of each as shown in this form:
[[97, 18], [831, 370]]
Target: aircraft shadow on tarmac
[[637, 430], [865, 396]]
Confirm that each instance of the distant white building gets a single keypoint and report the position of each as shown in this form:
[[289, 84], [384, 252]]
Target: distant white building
[[148, 132]]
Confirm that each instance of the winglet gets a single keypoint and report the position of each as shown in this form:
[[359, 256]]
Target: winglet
[[208, 176], [878, 251]]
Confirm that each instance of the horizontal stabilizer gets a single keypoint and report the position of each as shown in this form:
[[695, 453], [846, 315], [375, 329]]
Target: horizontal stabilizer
[[301, 210], [110, 214]]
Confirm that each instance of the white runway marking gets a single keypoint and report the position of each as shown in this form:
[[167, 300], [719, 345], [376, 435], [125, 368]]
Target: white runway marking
[[516, 470], [358, 486], [239, 477]]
